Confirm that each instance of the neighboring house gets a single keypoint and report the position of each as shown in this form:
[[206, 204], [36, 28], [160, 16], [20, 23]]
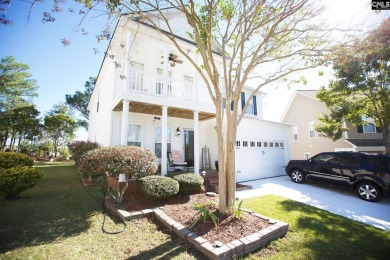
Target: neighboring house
[[162, 106], [302, 112]]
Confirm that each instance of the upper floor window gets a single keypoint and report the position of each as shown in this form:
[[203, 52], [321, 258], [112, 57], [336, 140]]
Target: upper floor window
[[312, 131], [369, 127], [188, 87], [252, 106], [160, 82], [295, 133], [136, 76], [134, 135]]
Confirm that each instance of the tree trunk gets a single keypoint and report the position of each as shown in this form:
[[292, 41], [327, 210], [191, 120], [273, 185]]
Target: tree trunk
[[226, 160], [5, 139], [19, 141], [12, 144]]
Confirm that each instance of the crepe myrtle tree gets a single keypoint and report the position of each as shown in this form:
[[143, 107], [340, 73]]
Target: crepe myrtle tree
[[262, 41]]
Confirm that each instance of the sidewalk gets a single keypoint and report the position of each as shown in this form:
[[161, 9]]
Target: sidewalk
[[338, 201]]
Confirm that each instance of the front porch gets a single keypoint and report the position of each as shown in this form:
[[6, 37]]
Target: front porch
[[162, 129]]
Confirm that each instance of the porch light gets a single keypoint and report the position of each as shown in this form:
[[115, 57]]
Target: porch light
[[178, 132]]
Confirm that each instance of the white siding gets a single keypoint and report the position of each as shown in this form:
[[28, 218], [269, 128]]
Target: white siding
[[99, 127], [209, 139]]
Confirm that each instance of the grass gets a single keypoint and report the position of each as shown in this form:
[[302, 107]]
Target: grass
[[318, 234], [60, 219]]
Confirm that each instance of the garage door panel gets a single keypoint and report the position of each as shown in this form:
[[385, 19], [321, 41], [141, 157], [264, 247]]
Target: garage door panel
[[259, 162]]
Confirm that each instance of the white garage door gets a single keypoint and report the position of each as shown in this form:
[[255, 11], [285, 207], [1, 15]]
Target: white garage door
[[259, 159]]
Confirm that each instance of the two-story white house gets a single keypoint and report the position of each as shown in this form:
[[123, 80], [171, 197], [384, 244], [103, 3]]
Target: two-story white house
[[147, 95]]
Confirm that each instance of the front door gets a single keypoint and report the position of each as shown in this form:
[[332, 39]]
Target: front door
[[189, 147]]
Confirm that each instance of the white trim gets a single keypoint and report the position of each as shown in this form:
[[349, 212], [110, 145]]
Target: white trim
[[196, 142], [125, 121], [164, 155], [311, 127]]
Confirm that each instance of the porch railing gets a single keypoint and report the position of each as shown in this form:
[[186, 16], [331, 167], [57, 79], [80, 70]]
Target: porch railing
[[153, 84]]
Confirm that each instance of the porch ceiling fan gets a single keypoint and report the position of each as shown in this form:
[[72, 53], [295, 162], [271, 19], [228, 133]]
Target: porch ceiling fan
[[172, 59]]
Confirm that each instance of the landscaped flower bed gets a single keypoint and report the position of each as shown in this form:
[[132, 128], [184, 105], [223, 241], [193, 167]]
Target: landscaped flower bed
[[237, 239]]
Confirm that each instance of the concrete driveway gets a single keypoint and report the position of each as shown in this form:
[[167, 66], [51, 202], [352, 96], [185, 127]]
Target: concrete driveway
[[338, 201]]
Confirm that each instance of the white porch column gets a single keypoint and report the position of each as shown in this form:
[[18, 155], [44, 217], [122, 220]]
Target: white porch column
[[164, 126], [125, 121], [165, 71], [196, 142]]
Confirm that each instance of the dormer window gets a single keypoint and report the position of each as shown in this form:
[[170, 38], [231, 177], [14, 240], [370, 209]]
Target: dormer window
[[252, 106]]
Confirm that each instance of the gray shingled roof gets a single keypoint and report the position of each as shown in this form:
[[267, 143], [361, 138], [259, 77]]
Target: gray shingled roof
[[366, 142]]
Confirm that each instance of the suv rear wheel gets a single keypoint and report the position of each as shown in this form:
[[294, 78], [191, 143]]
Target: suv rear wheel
[[297, 176], [368, 191]]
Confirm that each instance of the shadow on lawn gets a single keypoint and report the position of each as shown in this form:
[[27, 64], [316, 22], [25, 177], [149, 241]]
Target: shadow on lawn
[[167, 250], [329, 235], [57, 207]]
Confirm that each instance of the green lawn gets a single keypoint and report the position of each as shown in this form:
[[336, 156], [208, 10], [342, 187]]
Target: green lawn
[[318, 234], [59, 218]]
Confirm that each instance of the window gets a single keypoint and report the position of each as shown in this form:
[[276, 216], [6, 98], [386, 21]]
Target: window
[[137, 76], [265, 144], [306, 156], [245, 143], [188, 87], [276, 144], [160, 82], [295, 133], [312, 132], [238, 143], [271, 144], [253, 144], [282, 145], [252, 106], [351, 161], [158, 140], [370, 127], [322, 158], [134, 135], [258, 144]]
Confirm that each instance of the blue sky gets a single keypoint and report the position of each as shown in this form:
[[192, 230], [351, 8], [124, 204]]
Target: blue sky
[[59, 70]]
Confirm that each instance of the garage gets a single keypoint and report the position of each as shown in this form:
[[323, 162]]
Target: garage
[[258, 159]]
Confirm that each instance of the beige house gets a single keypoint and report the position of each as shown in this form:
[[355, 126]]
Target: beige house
[[302, 112]]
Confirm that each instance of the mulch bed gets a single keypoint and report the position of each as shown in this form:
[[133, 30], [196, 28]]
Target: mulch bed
[[181, 209]]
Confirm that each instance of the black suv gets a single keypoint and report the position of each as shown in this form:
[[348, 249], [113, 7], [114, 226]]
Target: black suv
[[367, 174]]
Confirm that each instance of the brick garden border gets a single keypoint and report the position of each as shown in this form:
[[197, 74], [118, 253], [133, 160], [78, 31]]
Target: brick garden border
[[236, 248]]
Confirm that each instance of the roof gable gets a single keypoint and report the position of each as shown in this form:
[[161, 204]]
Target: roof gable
[[306, 93]]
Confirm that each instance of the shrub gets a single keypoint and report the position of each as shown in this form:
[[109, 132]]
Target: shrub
[[190, 182], [17, 179], [158, 187], [79, 148], [130, 160], [11, 159], [203, 214]]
